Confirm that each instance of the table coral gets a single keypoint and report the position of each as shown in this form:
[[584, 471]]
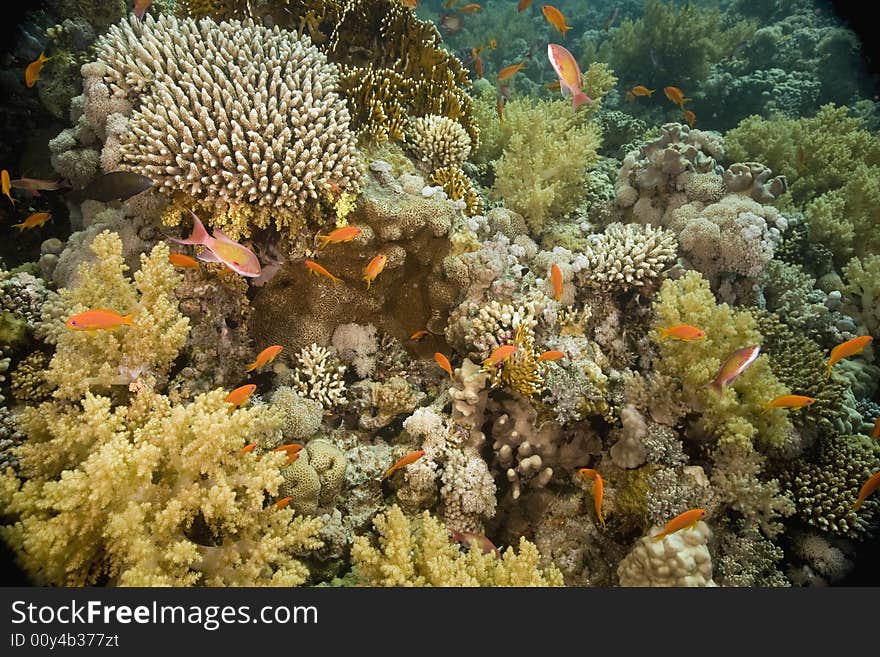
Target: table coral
[[161, 496], [247, 147], [418, 552]]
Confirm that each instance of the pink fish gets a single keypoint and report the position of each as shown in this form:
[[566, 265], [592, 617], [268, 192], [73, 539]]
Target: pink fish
[[735, 365], [221, 248], [570, 77]]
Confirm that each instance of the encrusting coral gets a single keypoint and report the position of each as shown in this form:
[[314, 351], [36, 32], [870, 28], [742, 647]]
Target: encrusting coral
[[418, 552]]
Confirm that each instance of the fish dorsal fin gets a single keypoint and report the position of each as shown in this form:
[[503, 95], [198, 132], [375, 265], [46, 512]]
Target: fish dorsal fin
[[208, 256], [223, 237]]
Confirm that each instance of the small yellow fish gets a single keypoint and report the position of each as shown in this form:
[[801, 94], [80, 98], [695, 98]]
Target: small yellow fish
[[499, 355], [32, 72], [789, 401], [510, 71], [641, 90], [556, 18], [551, 355], [374, 268], [444, 363], [266, 356], [684, 332], [36, 219], [556, 281], [6, 185], [869, 487], [405, 461], [686, 520], [99, 319], [344, 234], [847, 349], [183, 261], [676, 95], [493, 44], [598, 491], [240, 395], [320, 271]]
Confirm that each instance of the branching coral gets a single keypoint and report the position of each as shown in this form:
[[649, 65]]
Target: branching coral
[[319, 376], [438, 142], [419, 553], [243, 120], [162, 495], [863, 292]]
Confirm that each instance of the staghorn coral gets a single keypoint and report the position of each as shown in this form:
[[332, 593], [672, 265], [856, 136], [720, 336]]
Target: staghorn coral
[[826, 482], [627, 256], [679, 559], [419, 553], [87, 359], [319, 376], [437, 142], [258, 135], [161, 496], [315, 478]]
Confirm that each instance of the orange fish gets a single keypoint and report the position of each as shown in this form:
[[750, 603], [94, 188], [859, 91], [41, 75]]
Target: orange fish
[[443, 362], [471, 8], [598, 491], [292, 452], [523, 5], [240, 395], [283, 502], [36, 219], [99, 319], [510, 71], [870, 486], [789, 401], [493, 44], [735, 365], [6, 185], [221, 248], [319, 270], [551, 355], [32, 72], [847, 349], [684, 332], [345, 234], [499, 355], [405, 461], [419, 335], [183, 261], [374, 268], [140, 8], [640, 90], [478, 63], [570, 77], [247, 449], [473, 540], [676, 95], [875, 434], [556, 281], [266, 356], [686, 520], [500, 107], [690, 118], [556, 19], [450, 3]]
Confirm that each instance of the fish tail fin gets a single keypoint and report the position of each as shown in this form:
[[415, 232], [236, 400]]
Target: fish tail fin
[[651, 92], [325, 240], [716, 386], [857, 505], [658, 537], [662, 333], [128, 319], [367, 279], [579, 98], [19, 226], [251, 367], [199, 234]]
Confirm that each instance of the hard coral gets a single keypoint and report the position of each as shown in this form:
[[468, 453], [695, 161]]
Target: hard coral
[[438, 142], [241, 119]]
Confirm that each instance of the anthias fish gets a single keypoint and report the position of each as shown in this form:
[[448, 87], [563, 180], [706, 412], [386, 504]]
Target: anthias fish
[[340, 235], [598, 491], [405, 461], [99, 319], [847, 349], [676, 95], [690, 118], [556, 18], [240, 395], [32, 72], [736, 364], [556, 281], [499, 355], [419, 335], [686, 520], [570, 77], [523, 5], [551, 355], [684, 332], [869, 487], [266, 356], [37, 185], [221, 248], [6, 185], [789, 401], [183, 261], [374, 268], [36, 219], [319, 270], [641, 90], [472, 540], [444, 363], [875, 434], [283, 502], [510, 71]]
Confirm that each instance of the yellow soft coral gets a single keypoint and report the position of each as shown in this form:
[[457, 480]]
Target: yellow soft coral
[[736, 415], [162, 496], [419, 553], [87, 359]]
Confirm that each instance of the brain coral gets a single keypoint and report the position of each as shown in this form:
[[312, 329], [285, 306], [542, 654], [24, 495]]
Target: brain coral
[[242, 118]]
